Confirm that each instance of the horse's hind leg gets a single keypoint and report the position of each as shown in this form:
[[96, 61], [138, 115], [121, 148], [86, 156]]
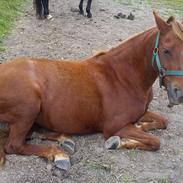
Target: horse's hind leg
[[16, 145], [88, 9], [62, 139], [19, 127], [132, 137], [81, 11], [151, 121]]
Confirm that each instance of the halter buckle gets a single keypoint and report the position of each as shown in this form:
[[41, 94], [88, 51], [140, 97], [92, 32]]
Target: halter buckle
[[162, 72]]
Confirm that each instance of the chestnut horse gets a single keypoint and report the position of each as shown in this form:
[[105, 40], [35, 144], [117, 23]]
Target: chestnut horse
[[109, 93], [42, 9]]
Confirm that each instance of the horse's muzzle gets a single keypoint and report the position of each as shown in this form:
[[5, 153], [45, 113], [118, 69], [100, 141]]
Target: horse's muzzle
[[175, 94]]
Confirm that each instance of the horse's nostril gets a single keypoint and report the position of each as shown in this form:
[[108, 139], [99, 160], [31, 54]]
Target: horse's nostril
[[175, 89], [177, 92]]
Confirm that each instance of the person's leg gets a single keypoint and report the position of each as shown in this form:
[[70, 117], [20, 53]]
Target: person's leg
[[38, 7], [45, 4], [46, 9]]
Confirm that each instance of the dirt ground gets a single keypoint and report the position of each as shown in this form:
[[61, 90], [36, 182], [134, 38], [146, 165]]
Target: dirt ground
[[72, 36]]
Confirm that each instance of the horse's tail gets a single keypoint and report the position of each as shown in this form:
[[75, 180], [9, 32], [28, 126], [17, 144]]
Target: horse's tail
[[3, 138], [37, 5]]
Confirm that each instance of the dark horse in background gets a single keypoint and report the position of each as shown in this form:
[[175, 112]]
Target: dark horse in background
[[42, 8], [108, 93]]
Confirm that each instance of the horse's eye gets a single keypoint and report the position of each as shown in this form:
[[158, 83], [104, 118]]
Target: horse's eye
[[167, 51]]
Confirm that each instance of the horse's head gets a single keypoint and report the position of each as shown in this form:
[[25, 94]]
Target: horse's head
[[168, 56]]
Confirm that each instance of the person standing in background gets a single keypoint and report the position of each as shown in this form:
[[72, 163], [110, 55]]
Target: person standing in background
[[42, 9]]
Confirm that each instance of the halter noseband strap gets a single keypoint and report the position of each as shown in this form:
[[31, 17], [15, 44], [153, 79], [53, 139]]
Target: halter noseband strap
[[162, 71]]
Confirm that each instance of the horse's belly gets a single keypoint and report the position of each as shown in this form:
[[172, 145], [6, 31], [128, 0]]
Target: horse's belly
[[69, 124], [76, 128]]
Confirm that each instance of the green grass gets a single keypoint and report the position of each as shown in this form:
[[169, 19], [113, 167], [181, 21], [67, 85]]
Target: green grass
[[125, 179], [163, 180], [133, 153], [169, 6], [9, 10], [100, 167]]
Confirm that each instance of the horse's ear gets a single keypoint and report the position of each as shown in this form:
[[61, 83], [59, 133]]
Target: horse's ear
[[170, 20], [162, 25]]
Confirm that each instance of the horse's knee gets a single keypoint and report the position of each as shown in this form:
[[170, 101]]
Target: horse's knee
[[89, 15], [13, 147]]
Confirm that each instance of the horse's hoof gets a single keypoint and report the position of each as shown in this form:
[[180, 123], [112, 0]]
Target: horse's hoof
[[81, 12], [62, 162], [68, 145], [113, 142], [89, 15]]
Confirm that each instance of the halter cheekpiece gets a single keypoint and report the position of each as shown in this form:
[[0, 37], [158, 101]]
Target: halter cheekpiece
[[162, 71]]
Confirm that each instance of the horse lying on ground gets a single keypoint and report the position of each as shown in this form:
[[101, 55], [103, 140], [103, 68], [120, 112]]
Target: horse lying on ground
[[42, 9], [108, 93]]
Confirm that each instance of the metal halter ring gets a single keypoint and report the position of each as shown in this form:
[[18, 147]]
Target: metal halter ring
[[155, 51], [162, 72]]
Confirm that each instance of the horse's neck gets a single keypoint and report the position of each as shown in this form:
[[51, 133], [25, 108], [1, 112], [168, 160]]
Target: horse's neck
[[132, 60]]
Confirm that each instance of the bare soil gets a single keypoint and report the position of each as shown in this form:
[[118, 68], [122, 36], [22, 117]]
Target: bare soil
[[72, 36]]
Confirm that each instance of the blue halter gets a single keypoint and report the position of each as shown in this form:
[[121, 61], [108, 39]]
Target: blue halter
[[162, 71]]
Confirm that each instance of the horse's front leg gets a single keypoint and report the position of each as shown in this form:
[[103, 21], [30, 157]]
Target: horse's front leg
[[81, 11], [131, 137], [151, 121], [88, 9]]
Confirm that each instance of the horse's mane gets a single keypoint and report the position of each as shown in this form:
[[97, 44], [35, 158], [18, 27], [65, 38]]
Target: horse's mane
[[99, 53]]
